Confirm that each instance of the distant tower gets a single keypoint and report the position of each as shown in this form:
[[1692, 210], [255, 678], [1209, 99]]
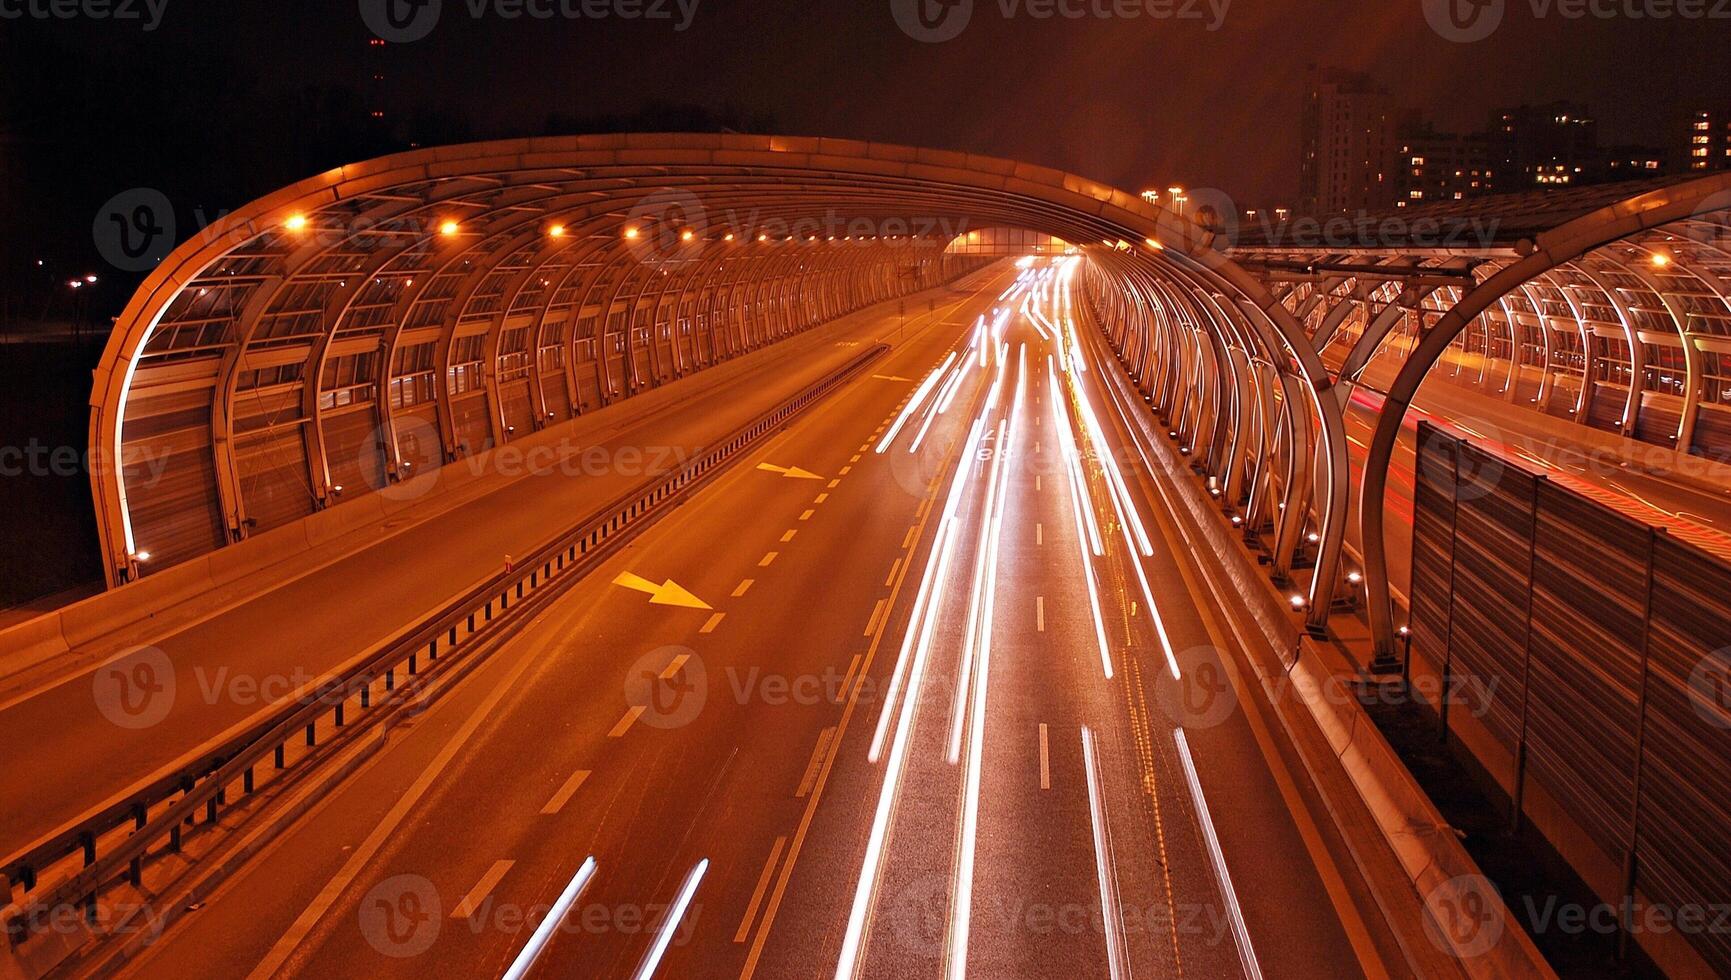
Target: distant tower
[[1349, 143]]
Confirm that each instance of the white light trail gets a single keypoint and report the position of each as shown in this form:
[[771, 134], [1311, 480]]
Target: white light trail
[[544, 932], [961, 903], [670, 924], [1084, 528], [914, 402], [1109, 907], [941, 402], [1246, 952]]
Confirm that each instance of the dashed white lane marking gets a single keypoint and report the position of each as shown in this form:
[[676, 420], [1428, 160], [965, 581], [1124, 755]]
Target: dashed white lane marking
[[1045, 760], [624, 725], [767, 559], [743, 585], [714, 621], [872, 623], [812, 767], [1040, 613], [565, 793], [482, 889]]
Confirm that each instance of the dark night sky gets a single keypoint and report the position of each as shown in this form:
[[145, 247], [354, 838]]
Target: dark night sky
[[1132, 102]]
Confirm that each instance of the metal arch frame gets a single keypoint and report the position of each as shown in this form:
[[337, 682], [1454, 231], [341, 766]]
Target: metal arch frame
[[521, 177], [1549, 251]]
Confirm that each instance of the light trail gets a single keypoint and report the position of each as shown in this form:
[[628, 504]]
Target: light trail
[[1246, 952], [945, 394], [544, 932], [1109, 907], [961, 903], [675, 914], [1084, 528], [915, 402]]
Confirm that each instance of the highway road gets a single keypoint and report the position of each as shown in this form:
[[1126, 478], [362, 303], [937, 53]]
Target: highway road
[[92, 737], [922, 686]]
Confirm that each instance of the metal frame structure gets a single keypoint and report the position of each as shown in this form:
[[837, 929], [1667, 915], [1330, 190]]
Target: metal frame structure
[[386, 318], [1609, 307]]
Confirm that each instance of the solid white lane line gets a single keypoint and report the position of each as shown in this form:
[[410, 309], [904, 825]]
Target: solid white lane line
[[816, 763], [1246, 953], [1109, 907], [872, 623], [482, 889], [538, 941], [670, 923], [757, 893], [1045, 760], [565, 793]]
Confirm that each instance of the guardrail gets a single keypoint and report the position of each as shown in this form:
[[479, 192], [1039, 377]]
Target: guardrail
[[205, 784]]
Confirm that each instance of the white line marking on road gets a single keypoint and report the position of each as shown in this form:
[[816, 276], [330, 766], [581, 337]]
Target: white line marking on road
[[757, 893], [1246, 953], [743, 586], [894, 567], [834, 483], [785, 538], [565, 793], [673, 666], [1109, 908], [872, 624], [1045, 760], [767, 559], [812, 767], [1039, 530], [526, 959], [624, 725], [362, 855], [847, 678], [1040, 613], [670, 923], [807, 515], [821, 498], [714, 621], [482, 889]]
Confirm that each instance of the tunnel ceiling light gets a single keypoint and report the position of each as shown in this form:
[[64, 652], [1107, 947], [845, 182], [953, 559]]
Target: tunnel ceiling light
[[631, 233], [296, 222], [1661, 260], [688, 235], [448, 228], [727, 237], [557, 231]]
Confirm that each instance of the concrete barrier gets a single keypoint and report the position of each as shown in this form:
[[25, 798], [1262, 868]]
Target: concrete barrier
[[1425, 844]]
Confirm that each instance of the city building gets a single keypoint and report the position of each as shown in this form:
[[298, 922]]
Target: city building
[[1349, 142], [1706, 141], [1433, 166]]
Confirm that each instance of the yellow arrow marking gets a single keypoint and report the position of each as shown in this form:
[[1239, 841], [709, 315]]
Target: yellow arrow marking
[[667, 593], [791, 472]]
